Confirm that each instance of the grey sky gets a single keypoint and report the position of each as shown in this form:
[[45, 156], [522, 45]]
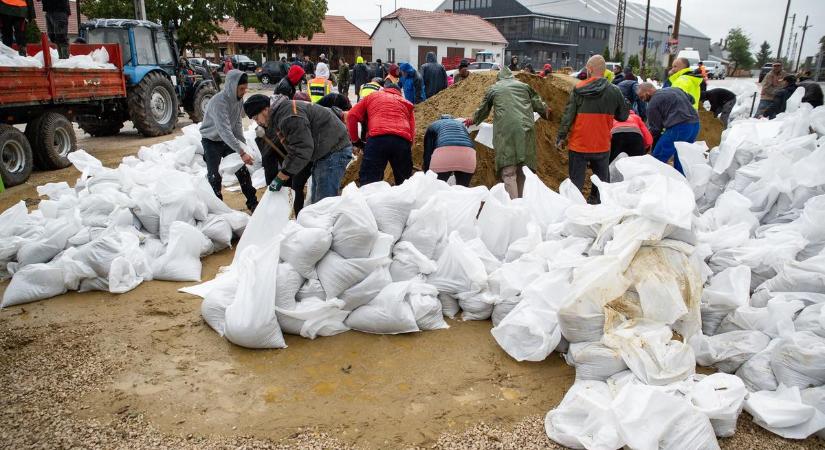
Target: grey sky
[[761, 19]]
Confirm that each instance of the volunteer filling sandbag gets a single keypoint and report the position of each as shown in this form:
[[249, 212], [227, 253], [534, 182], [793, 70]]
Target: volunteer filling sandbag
[[222, 134], [307, 133]]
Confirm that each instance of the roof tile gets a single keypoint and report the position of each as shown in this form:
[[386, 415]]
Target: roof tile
[[338, 31], [443, 25]]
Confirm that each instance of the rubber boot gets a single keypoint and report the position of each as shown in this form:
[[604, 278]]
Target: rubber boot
[[63, 51], [22, 50]]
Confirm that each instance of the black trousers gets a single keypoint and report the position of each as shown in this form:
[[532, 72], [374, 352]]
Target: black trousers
[[13, 30], [461, 178], [600, 165], [378, 151], [299, 181], [213, 153], [57, 25], [630, 143]]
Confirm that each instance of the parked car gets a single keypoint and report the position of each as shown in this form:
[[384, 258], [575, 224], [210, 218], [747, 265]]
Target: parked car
[[715, 69], [199, 61], [243, 62], [765, 69], [612, 66], [272, 72], [477, 67]]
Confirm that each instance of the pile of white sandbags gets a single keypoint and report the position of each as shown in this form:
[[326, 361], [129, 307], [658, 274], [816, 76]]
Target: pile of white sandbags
[[152, 217], [97, 59]]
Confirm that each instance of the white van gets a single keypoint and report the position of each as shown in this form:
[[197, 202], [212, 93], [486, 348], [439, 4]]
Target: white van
[[691, 55]]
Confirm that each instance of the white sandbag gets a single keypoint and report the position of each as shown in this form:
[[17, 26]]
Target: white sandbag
[[546, 206], [181, 262], [147, 209], [338, 274], [34, 282], [477, 246], [501, 221], [100, 252], [727, 290], [449, 305], [355, 230], [391, 209], [799, 360], [782, 412], [427, 228], [319, 215], [728, 351], [426, 307], [463, 205], [720, 397], [178, 202], [270, 217], [513, 277], [218, 230], [459, 269], [408, 262], [387, 313], [757, 373], [812, 319], [122, 276], [649, 351], [55, 236], [525, 244], [289, 283], [816, 398], [477, 305], [366, 290], [303, 247], [251, 319], [594, 361], [312, 288], [649, 419], [220, 295], [313, 317], [502, 308], [766, 319], [584, 419]]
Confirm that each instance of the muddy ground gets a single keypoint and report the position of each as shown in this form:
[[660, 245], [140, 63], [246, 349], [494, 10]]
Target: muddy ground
[[142, 370]]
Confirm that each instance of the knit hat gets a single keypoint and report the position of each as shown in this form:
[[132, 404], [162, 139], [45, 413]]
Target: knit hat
[[395, 71], [255, 104], [463, 63], [295, 74]]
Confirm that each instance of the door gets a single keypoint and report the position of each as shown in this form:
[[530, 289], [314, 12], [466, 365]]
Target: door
[[422, 53], [455, 52]]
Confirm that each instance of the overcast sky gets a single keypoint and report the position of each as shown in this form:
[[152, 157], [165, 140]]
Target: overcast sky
[[761, 19]]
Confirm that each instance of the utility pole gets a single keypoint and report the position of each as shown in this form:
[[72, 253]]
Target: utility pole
[[819, 61], [140, 10], [618, 39], [644, 46], [675, 36], [792, 52], [782, 36], [788, 51], [801, 43]]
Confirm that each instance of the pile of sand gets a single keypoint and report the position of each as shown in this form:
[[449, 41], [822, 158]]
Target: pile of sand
[[462, 99]]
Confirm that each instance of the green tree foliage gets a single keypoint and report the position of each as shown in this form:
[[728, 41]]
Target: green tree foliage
[[606, 53], [195, 20], [619, 57], [764, 54], [739, 47], [281, 20], [633, 62]]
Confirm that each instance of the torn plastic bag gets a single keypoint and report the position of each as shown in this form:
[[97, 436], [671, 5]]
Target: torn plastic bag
[[182, 261], [799, 360], [408, 262], [338, 274], [355, 230], [649, 351], [756, 372], [728, 351], [304, 247], [34, 282], [313, 317], [502, 221], [782, 412], [726, 291], [251, 320], [366, 290], [387, 313], [649, 419], [391, 208], [594, 361], [720, 397], [583, 419]]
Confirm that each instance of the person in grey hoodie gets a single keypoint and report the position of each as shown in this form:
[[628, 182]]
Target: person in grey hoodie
[[222, 134]]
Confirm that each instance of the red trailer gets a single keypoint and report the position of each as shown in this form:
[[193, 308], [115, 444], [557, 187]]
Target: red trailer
[[47, 100]]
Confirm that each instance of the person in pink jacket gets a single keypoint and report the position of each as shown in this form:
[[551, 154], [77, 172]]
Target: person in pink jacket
[[631, 137]]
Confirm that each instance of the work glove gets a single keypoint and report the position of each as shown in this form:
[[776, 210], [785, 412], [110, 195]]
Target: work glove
[[468, 122], [276, 184]]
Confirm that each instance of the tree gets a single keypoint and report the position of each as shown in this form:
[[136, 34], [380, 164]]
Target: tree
[[764, 54], [619, 57], [606, 53], [633, 62], [739, 47], [281, 20], [194, 19]]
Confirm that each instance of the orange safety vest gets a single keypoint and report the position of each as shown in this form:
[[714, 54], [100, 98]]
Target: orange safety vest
[[318, 88], [15, 3]]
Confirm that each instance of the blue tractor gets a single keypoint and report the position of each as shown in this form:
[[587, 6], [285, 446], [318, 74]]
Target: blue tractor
[[158, 82]]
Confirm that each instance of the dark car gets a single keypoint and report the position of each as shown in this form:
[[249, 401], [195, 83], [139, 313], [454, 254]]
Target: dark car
[[765, 69], [242, 62], [272, 72], [373, 69]]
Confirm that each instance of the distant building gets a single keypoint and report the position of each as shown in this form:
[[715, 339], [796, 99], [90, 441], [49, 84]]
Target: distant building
[[340, 39], [408, 34], [569, 32]]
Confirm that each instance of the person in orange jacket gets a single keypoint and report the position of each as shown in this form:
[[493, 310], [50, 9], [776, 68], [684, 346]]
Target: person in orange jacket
[[630, 137], [14, 14]]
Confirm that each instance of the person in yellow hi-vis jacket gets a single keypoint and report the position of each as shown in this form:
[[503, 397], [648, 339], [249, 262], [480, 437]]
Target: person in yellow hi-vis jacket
[[320, 85]]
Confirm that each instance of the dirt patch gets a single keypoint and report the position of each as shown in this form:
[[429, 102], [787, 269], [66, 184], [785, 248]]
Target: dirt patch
[[462, 99]]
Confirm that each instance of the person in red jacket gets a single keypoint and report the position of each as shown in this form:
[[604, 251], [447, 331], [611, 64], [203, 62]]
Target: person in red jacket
[[631, 137], [390, 124]]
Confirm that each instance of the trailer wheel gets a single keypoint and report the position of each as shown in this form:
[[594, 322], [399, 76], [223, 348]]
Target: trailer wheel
[[15, 156], [202, 97], [53, 140], [102, 127], [153, 105], [31, 132]]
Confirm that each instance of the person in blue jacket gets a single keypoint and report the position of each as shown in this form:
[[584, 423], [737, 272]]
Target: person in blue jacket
[[412, 83], [448, 150]]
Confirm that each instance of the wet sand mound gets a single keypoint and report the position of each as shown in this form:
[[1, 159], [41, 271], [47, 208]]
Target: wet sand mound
[[462, 99]]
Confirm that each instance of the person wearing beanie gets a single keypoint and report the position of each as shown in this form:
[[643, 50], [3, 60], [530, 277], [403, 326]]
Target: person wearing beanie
[[548, 69], [291, 81], [394, 75], [390, 124], [463, 71], [307, 134], [319, 86], [222, 134]]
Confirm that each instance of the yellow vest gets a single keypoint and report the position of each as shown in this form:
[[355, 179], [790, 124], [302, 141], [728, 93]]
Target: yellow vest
[[368, 89], [318, 88], [690, 84], [609, 75]]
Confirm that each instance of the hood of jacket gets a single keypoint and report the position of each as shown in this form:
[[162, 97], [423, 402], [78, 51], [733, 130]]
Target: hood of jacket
[[592, 87], [685, 71], [504, 74], [295, 74], [322, 70], [230, 88], [359, 60], [407, 68], [430, 57]]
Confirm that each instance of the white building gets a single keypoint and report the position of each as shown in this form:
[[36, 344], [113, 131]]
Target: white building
[[407, 35]]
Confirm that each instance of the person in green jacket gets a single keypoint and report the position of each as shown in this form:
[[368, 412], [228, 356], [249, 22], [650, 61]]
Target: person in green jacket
[[514, 138], [343, 77], [682, 77]]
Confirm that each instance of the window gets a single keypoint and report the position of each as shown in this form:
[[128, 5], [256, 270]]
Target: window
[[602, 34], [163, 50], [144, 45], [582, 32], [592, 33], [390, 55], [118, 36]]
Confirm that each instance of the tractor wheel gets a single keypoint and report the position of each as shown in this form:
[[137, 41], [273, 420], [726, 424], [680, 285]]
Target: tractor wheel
[[15, 156], [199, 104], [264, 79], [101, 127], [53, 140], [153, 105]]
